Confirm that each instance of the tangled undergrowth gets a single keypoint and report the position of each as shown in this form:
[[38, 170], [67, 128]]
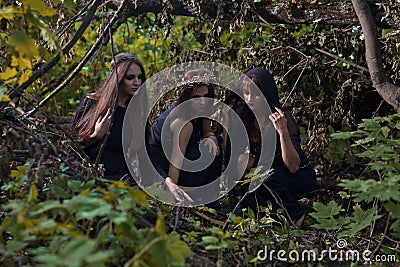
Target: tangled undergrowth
[[56, 211]]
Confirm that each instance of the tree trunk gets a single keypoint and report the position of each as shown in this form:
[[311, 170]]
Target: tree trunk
[[389, 92]]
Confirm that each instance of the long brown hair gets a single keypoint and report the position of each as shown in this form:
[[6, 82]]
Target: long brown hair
[[104, 98], [192, 81]]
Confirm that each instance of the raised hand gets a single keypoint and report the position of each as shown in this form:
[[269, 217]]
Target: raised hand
[[279, 120], [101, 126]]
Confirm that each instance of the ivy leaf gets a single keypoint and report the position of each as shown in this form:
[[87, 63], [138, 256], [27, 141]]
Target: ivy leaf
[[24, 45]]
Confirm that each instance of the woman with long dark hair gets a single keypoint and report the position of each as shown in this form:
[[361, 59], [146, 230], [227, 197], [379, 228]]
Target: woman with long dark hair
[[177, 133], [293, 176], [94, 114]]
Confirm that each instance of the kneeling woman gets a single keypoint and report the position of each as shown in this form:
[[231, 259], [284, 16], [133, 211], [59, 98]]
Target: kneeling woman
[[293, 177], [179, 133]]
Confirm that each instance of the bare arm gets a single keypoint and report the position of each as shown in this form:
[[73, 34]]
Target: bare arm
[[181, 136], [290, 156]]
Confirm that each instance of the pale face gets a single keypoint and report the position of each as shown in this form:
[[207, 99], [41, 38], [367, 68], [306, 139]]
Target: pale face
[[255, 100], [199, 101], [132, 81]]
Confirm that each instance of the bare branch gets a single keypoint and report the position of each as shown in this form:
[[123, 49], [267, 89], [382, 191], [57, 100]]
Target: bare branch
[[19, 90], [84, 60]]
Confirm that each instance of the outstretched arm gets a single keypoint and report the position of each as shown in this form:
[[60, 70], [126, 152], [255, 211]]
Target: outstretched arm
[[181, 135]]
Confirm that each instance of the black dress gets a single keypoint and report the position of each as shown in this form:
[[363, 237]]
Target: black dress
[[282, 185], [161, 162], [113, 156]]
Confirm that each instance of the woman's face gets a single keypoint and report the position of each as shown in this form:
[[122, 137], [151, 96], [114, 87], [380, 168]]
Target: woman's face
[[253, 98], [132, 80], [199, 102]]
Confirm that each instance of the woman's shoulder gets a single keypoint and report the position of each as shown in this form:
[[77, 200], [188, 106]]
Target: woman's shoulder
[[181, 126]]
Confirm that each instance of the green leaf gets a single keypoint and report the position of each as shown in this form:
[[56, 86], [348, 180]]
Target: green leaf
[[360, 219], [46, 206], [8, 74], [88, 185], [327, 216], [342, 135], [33, 193], [74, 185], [40, 7], [24, 45], [14, 246], [217, 247], [49, 259], [77, 250], [395, 227], [60, 192], [393, 208], [209, 239], [385, 131], [87, 207], [100, 256], [8, 12], [326, 211], [178, 249], [69, 4], [50, 39], [160, 225]]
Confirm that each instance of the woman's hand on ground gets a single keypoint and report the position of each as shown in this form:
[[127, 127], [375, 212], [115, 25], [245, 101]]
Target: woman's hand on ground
[[212, 144], [177, 192]]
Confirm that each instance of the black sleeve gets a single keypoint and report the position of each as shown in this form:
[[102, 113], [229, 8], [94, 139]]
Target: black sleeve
[[294, 131], [83, 108]]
